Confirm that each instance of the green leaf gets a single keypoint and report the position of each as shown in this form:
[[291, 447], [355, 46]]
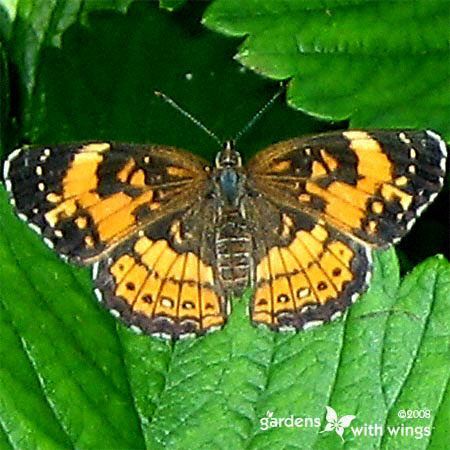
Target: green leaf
[[171, 5], [28, 27], [378, 63], [5, 122], [72, 377], [72, 380], [95, 88]]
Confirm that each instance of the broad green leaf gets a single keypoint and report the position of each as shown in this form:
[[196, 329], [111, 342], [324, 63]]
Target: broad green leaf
[[72, 377], [378, 63], [114, 99], [28, 27]]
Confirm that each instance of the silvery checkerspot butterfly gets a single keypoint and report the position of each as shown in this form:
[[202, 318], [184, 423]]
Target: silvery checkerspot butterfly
[[172, 238]]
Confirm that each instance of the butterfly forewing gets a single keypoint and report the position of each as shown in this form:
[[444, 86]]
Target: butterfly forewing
[[369, 185], [86, 198]]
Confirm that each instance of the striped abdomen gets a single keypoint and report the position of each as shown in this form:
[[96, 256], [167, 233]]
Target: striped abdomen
[[233, 247]]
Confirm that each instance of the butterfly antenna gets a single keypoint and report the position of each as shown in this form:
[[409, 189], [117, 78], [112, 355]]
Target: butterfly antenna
[[189, 116], [258, 115]]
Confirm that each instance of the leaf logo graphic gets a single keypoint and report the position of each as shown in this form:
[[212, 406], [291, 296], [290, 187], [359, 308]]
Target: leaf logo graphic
[[335, 423]]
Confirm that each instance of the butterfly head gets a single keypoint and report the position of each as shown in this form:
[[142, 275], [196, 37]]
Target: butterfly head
[[229, 180], [228, 157]]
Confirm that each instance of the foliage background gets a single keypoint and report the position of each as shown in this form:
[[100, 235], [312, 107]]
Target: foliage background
[[70, 376]]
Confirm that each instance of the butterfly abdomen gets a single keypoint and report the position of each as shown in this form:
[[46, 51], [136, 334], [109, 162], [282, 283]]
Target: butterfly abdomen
[[233, 249]]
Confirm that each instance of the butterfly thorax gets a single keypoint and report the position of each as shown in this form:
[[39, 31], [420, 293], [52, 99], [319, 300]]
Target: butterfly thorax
[[233, 242], [229, 176]]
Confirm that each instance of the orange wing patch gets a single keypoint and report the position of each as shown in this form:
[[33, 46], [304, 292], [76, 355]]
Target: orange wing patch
[[164, 292], [296, 281], [85, 199], [347, 205], [111, 216], [370, 185]]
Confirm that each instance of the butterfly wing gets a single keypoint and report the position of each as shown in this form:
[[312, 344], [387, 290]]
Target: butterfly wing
[[370, 185], [87, 198], [163, 281], [318, 206], [306, 272]]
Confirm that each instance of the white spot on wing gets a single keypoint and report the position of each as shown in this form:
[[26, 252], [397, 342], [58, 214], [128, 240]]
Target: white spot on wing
[[336, 315], [422, 208], [303, 292], [95, 271], [287, 329], [312, 324], [369, 255], [8, 185], [212, 329], [409, 225], [442, 144], [162, 336], [186, 336], [167, 302], [98, 294], [7, 165], [432, 197], [49, 242], [35, 228], [403, 138], [114, 312], [14, 154], [136, 329]]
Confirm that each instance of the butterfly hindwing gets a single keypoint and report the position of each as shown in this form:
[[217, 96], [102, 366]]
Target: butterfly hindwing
[[163, 281], [307, 273], [87, 198], [370, 185]]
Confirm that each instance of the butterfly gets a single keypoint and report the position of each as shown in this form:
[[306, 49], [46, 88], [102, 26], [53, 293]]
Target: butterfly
[[173, 239]]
